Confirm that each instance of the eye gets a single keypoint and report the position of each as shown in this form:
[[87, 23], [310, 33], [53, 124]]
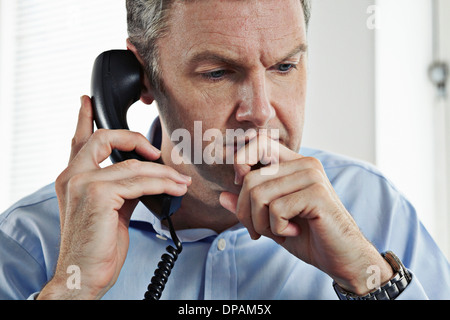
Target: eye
[[214, 75], [286, 67]]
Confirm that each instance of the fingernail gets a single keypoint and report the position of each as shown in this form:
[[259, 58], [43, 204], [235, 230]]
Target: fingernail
[[156, 149], [237, 180], [185, 178]]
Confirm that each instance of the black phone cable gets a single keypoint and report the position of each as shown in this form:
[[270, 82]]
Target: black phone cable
[[162, 273]]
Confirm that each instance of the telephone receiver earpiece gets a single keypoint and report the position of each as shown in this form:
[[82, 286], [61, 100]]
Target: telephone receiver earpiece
[[115, 86]]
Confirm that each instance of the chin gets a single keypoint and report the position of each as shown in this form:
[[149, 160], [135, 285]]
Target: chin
[[219, 177]]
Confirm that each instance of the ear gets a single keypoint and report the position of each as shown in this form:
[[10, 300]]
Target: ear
[[147, 95]]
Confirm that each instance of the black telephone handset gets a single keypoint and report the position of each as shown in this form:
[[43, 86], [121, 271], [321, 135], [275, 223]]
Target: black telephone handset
[[115, 86]]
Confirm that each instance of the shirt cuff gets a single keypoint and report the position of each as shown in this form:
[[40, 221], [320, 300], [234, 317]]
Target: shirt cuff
[[414, 290], [33, 296]]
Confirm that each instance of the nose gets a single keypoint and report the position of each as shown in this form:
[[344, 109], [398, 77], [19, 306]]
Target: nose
[[254, 103]]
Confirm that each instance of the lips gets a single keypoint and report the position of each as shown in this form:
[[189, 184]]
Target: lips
[[238, 144]]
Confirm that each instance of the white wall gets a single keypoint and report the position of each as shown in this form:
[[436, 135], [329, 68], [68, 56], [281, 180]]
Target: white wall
[[6, 88], [341, 90], [369, 96], [442, 137], [405, 101]]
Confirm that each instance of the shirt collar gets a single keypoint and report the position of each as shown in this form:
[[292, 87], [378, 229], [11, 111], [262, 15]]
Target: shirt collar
[[141, 213]]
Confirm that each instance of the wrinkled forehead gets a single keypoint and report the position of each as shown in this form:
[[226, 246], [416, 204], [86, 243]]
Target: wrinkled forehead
[[241, 28]]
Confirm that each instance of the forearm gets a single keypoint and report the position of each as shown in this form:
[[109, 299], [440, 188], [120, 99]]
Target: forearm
[[59, 290]]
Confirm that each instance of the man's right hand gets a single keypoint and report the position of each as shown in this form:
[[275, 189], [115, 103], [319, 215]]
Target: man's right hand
[[96, 204]]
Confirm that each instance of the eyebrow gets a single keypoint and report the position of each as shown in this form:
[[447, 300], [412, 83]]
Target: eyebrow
[[211, 56], [301, 48]]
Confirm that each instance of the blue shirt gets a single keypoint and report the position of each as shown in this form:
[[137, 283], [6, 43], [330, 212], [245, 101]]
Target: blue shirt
[[229, 265]]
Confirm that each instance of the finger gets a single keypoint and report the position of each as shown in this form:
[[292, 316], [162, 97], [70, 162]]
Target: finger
[[134, 168], [102, 142], [120, 196], [259, 190], [229, 201], [298, 167], [243, 208], [264, 193], [85, 126], [299, 204], [112, 194], [136, 187], [260, 149], [261, 221]]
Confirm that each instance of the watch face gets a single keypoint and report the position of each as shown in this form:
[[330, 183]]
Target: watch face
[[394, 261]]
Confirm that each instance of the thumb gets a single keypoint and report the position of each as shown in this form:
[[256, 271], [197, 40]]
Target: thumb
[[85, 126], [229, 201]]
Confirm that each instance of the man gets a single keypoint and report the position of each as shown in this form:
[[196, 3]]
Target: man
[[314, 228]]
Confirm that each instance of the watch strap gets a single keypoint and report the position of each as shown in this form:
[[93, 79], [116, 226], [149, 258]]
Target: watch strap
[[388, 291]]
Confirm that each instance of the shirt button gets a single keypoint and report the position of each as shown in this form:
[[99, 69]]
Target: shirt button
[[221, 244]]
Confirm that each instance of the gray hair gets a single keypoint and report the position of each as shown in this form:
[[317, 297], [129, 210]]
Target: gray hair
[[147, 22]]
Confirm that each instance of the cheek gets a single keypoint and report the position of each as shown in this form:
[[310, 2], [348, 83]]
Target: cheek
[[185, 104], [289, 105]]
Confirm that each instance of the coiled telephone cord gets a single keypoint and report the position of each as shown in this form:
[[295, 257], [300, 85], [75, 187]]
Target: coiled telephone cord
[[162, 273]]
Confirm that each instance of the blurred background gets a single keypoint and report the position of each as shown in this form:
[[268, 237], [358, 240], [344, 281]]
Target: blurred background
[[377, 90]]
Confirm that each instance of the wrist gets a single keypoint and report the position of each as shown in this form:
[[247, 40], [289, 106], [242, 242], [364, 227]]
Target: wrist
[[58, 289], [389, 290], [369, 277]]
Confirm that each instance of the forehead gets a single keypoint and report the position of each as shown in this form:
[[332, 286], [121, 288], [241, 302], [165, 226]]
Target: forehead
[[241, 28]]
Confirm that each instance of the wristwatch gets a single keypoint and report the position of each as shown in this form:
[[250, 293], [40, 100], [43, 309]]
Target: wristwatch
[[388, 291]]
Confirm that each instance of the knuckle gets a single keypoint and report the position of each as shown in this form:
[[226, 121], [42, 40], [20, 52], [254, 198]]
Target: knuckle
[[275, 207], [100, 135], [74, 142], [61, 181], [77, 143], [313, 162], [101, 131], [241, 214], [313, 174], [131, 164], [75, 182], [275, 210], [319, 189], [249, 178], [256, 193], [94, 189], [139, 135], [128, 182]]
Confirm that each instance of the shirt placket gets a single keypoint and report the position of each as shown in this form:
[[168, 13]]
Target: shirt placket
[[220, 270]]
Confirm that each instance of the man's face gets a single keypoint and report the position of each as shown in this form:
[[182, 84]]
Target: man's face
[[234, 64]]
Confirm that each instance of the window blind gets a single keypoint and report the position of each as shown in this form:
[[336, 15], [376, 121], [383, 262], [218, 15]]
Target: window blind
[[55, 45]]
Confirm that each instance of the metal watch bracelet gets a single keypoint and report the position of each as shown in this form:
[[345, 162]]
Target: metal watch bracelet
[[388, 291]]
